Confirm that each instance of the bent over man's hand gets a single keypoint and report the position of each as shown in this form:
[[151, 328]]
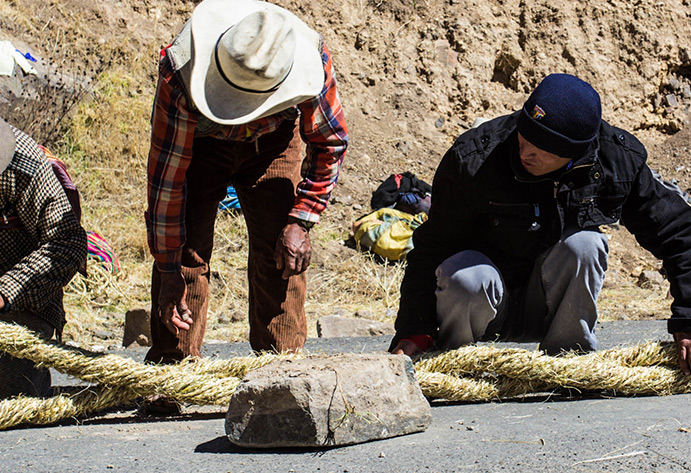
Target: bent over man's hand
[[173, 308], [293, 250], [683, 341]]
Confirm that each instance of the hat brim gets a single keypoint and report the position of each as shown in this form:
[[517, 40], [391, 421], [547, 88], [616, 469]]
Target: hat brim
[[221, 102], [8, 144]]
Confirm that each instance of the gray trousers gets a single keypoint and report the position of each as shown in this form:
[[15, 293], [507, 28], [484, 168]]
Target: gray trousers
[[557, 306], [19, 376]]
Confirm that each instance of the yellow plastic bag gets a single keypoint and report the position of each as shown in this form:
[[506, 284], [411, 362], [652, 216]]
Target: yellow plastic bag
[[387, 232]]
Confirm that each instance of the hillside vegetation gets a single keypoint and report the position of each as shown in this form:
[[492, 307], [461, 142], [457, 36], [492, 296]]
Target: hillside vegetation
[[412, 76]]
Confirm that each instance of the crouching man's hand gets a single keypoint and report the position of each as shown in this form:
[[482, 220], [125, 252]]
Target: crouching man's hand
[[406, 347], [683, 341], [413, 345]]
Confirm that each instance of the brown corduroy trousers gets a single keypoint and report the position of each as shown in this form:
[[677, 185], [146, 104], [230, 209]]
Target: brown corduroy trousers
[[265, 175]]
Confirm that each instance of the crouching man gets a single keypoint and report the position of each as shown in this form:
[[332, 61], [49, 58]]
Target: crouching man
[[42, 245], [512, 250]]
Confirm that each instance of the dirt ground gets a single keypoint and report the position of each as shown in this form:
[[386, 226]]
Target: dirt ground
[[414, 74]]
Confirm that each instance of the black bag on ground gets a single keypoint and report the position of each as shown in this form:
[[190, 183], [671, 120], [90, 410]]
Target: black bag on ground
[[404, 192]]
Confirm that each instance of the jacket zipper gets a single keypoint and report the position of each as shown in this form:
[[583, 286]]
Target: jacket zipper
[[556, 184], [561, 178]]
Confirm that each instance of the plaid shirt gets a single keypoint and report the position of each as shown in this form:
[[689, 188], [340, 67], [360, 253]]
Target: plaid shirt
[[174, 118], [39, 256]]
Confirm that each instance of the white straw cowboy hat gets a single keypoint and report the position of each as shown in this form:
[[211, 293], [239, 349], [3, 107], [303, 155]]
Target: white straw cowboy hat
[[251, 59], [7, 145]]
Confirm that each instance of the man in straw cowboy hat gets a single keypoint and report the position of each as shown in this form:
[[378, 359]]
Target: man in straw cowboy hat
[[512, 249], [240, 88], [42, 245]]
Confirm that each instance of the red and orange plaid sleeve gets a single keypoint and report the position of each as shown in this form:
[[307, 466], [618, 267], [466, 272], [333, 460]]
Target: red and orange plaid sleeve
[[324, 131], [172, 136]]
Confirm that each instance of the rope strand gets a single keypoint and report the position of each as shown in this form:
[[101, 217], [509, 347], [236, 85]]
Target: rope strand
[[471, 373]]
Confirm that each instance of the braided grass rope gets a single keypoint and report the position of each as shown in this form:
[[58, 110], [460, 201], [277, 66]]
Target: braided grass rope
[[649, 368], [186, 382], [30, 410], [473, 373]]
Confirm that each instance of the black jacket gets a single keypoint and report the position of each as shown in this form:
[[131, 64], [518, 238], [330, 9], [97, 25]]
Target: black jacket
[[484, 200]]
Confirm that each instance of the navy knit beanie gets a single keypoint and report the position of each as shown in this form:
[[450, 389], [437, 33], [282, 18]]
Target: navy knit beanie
[[561, 116]]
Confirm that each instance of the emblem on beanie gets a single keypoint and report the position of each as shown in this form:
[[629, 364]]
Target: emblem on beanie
[[538, 112]]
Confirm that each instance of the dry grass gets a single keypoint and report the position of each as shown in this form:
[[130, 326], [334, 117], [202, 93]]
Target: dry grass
[[627, 301], [355, 282]]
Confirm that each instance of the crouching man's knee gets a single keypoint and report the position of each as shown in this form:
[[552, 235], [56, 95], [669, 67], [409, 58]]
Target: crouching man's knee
[[469, 293]]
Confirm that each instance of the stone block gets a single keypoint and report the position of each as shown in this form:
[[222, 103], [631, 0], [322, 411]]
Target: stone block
[[321, 401], [331, 326], [137, 328]]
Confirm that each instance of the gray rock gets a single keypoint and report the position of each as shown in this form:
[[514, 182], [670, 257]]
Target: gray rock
[[336, 326], [361, 40], [363, 314], [445, 55], [613, 279], [673, 83], [671, 100], [648, 279], [403, 147], [137, 322], [345, 200], [327, 401], [104, 334], [234, 316]]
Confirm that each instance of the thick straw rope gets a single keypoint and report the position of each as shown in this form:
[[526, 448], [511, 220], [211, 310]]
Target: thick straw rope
[[649, 368], [467, 374]]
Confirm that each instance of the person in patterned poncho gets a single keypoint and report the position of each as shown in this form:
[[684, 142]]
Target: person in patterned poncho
[[42, 246]]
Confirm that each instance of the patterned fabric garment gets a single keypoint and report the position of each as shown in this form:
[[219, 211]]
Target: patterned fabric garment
[[322, 128], [38, 260]]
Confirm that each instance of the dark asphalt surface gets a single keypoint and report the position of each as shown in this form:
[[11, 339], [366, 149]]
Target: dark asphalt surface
[[543, 433]]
